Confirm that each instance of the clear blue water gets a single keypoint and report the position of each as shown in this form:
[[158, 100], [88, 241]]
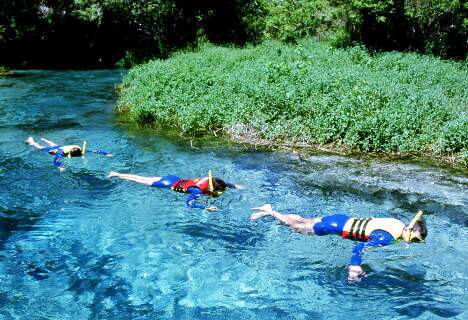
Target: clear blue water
[[76, 245]]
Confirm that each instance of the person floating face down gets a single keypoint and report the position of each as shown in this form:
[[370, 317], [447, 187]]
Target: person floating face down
[[210, 186], [63, 151], [370, 232]]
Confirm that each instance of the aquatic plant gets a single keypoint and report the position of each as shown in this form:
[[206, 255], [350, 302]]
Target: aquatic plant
[[307, 94]]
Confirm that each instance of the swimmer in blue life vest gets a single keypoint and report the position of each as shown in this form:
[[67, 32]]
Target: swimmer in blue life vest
[[210, 186], [61, 152], [371, 232]]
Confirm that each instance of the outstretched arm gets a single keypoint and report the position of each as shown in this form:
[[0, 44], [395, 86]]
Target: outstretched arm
[[57, 160], [378, 238], [101, 152], [194, 193], [234, 186]]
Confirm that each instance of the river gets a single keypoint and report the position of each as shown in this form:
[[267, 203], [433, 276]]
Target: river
[[78, 245]]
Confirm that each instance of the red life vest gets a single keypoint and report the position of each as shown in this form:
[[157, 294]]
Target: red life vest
[[183, 185]]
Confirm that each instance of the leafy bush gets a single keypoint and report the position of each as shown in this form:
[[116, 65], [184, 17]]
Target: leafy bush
[[105, 32], [291, 20], [309, 93], [436, 27], [3, 70]]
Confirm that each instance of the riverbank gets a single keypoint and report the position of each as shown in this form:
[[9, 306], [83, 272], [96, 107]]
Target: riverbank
[[308, 95]]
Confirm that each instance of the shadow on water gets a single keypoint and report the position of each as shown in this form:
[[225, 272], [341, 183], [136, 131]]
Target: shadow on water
[[413, 295], [83, 188], [408, 201], [16, 219], [111, 293], [233, 238], [85, 274], [45, 123], [265, 312]]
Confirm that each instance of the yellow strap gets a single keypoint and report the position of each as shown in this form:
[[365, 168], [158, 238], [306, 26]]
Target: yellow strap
[[210, 181]]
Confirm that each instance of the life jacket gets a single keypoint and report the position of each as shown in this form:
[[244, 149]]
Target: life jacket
[[360, 229], [183, 185]]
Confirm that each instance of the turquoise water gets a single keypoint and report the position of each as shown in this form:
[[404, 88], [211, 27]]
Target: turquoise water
[[76, 245]]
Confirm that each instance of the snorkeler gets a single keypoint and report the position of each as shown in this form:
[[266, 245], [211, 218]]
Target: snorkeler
[[372, 232], [63, 151], [210, 186]]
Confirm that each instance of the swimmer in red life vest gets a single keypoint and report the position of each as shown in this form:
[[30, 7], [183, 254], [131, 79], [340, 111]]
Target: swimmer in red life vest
[[210, 186], [61, 152], [371, 232]]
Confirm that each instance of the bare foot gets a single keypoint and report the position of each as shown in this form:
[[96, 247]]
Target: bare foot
[[113, 174], [266, 207], [212, 209], [260, 214], [30, 140]]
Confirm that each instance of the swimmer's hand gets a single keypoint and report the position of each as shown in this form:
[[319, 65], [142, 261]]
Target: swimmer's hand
[[238, 186], [29, 140], [212, 209], [61, 169], [355, 273]]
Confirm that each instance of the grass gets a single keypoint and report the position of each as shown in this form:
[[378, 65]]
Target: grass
[[308, 94]]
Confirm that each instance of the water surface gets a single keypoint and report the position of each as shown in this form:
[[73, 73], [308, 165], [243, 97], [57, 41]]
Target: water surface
[[76, 245]]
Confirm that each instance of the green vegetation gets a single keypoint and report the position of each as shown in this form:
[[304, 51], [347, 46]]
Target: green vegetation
[[70, 33], [103, 33], [4, 70], [309, 94], [437, 27]]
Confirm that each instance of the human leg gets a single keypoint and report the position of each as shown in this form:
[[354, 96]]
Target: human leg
[[133, 177], [294, 221], [50, 143], [33, 143], [165, 182]]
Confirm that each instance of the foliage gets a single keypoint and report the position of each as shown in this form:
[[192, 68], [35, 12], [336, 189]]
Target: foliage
[[436, 27], [104, 32], [429, 26], [291, 20], [4, 70], [392, 102]]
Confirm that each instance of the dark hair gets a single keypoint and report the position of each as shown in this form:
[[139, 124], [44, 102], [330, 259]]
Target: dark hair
[[219, 184], [420, 226], [75, 152]]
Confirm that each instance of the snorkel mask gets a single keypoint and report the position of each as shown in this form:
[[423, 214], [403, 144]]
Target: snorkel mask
[[410, 235], [211, 185]]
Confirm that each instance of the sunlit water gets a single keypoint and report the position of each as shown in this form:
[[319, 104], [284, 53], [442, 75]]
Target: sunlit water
[[77, 245]]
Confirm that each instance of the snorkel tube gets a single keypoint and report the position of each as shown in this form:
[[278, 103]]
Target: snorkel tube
[[409, 234], [210, 177], [83, 149], [211, 185]]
